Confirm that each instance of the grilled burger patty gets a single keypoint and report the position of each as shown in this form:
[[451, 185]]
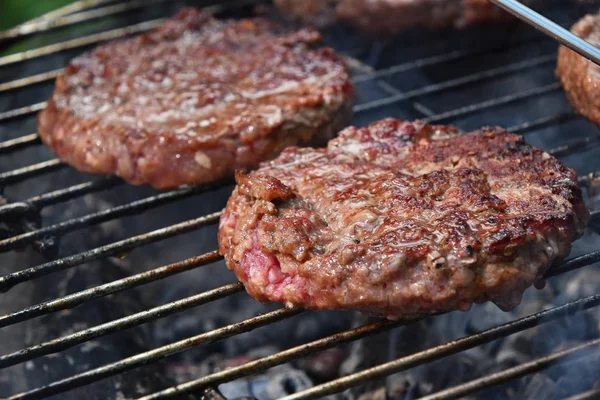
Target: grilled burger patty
[[402, 218], [579, 77], [195, 99], [394, 16]]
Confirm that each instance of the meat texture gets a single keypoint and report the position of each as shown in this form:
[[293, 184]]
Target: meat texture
[[393, 16], [194, 99], [402, 218], [580, 77]]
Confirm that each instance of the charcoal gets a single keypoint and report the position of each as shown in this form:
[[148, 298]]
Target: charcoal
[[581, 284], [366, 353], [286, 380], [540, 386], [378, 394], [578, 327], [405, 386], [484, 317], [239, 388], [96, 352], [325, 366], [514, 350], [575, 374], [213, 394], [277, 382], [558, 381]]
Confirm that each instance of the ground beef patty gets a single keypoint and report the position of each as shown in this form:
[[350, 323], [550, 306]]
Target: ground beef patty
[[401, 218], [195, 99], [394, 16], [579, 76]]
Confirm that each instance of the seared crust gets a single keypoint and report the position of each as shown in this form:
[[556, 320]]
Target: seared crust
[[393, 16], [195, 99], [320, 13], [401, 218], [580, 77]]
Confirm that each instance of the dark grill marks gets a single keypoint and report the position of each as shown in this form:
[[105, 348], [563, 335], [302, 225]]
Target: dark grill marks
[[440, 220], [388, 17], [195, 99]]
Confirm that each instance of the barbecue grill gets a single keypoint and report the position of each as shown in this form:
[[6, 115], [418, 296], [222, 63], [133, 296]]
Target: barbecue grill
[[410, 81]]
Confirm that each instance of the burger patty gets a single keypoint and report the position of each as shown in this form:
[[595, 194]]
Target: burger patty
[[319, 13], [394, 16], [580, 77], [402, 218], [195, 99]]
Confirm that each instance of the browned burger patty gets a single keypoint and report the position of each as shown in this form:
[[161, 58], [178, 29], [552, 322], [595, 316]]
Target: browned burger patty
[[195, 99], [401, 218], [579, 77], [313, 12], [394, 16]]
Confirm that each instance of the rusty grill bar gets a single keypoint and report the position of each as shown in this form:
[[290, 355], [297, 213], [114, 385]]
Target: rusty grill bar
[[16, 210], [69, 16]]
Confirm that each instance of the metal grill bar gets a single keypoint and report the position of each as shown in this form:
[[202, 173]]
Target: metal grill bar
[[550, 28], [106, 289], [576, 262], [62, 343], [90, 219], [82, 16], [38, 202], [23, 111], [71, 192], [498, 101], [65, 342], [80, 42], [19, 143], [593, 213], [488, 74], [589, 395], [574, 147], [30, 171], [158, 353], [445, 350], [428, 61], [454, 83], [139, 205], [10, 280], [62, 11], [327, 342], [30, 80], [543, 122], [515, 372], [132, 208], [111, 34], [253, 367], [468, 79], [159, 273], [431, 61], [283, 357]]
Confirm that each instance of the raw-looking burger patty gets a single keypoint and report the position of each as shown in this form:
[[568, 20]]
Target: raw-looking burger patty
[[195, 99], [402, 218], [394, 16], [580, 77]]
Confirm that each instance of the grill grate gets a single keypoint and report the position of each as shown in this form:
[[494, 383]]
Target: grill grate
[[368, 110]]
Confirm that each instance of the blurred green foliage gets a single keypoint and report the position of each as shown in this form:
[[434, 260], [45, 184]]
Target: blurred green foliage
[[14, 12]]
